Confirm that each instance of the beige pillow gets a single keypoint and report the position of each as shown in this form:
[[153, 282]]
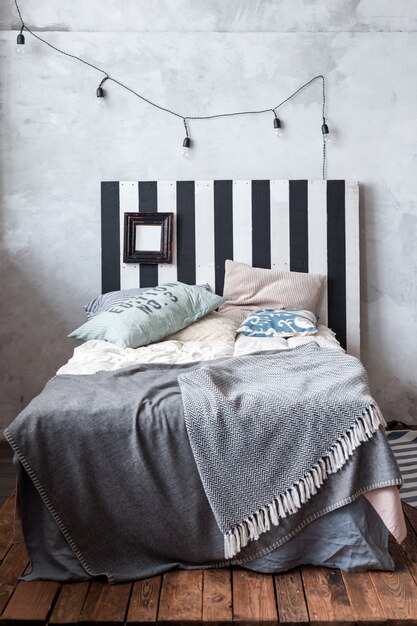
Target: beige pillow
[[213, 327], [249, 288]]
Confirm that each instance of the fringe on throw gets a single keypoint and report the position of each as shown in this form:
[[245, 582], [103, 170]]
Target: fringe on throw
[[299, 493]]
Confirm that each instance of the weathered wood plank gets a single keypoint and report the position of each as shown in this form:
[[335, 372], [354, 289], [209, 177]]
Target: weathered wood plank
[[408, 550], [411, 515], [31, 601], [144, 601], [12, 567], [217, 596], [254, 598], [181, 597], [292, 607], [6, 525], [363, 598], [326, 596], [396, 590], [105, 603], [14, 564], [69, 604]]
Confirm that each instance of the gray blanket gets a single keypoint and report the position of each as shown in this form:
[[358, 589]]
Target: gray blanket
[[110, 456], [266, 431]]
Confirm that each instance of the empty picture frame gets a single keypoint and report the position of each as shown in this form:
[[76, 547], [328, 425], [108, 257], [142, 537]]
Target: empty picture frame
[[148, 238]]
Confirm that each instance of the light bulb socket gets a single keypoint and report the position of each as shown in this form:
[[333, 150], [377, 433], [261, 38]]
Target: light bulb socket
[[277, 123], [186, 143], [325, 129], [20, 39], [100, 92]]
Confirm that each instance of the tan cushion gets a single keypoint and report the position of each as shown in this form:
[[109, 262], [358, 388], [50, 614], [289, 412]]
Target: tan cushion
[[214, 327], [249, 288]]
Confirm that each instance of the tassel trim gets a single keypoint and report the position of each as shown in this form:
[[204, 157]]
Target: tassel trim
[[291, 500]]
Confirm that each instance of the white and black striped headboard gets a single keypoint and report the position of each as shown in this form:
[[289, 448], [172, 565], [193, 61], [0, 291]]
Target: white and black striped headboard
[[300, 225]]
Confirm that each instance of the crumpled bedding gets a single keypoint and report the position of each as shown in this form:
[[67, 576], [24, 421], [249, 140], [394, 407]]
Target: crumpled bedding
[[363, 547], [214, 337], [95, 355], [151, 511]]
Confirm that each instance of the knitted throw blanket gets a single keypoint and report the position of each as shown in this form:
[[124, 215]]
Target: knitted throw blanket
[[267, 429]]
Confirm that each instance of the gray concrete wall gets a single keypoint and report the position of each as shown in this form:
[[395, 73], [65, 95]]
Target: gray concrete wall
[[56, 146], [216, 15]]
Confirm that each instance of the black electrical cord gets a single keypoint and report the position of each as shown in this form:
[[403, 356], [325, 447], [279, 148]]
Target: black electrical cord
[[186, 118]]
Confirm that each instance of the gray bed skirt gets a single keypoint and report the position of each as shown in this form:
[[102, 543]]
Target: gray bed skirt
[[352, 538]]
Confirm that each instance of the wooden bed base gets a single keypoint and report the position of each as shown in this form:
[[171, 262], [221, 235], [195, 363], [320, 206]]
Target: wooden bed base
[[308, 595]]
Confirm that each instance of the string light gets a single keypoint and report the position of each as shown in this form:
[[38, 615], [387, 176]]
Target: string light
[[20, 42], [100, 93], [187, 143], [325, 130], [277, 125]]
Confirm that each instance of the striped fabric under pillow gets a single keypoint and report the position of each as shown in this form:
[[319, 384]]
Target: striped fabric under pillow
[[106, 301], [247, 289]]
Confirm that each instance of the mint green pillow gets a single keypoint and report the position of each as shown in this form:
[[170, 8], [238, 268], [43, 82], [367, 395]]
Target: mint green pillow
[[150, 316]]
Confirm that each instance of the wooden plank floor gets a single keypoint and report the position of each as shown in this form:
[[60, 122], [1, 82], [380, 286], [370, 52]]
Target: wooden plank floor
[[306, 595], [7, 472]]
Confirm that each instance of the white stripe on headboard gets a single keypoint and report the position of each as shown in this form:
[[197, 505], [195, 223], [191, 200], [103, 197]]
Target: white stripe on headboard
[[242, 221], [129, 203], [280, 225], [352, 267], [204, 233], [317, 233], [167, 201]]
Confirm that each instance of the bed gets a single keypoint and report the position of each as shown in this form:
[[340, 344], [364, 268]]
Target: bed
[[121, 471]]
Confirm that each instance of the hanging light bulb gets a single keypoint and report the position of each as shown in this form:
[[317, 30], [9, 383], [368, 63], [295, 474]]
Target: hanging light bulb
[[20, 43], [277, 127], [325, 131], [100, 93], [186, 146]]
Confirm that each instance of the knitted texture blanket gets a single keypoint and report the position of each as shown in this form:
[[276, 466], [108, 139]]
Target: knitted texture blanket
[[266, 431]]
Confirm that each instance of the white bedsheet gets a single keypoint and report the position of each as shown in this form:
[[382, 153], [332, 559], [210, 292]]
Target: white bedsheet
[[96, 355], [247, 345]]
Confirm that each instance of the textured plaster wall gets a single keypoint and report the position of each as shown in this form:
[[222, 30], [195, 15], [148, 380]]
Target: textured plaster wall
[[217, 15], [56, 146]]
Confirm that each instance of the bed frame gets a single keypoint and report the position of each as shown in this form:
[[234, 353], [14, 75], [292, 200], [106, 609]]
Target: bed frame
[[298, 225]]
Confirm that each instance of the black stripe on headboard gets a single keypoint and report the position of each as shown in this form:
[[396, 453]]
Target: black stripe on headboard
[[186, 231], [336, 258], [148, 203], [261, 224], [110, 237], [298, 225], [223, 228]]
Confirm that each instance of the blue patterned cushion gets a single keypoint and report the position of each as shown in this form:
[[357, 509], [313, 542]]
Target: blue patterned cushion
[[279, 323]]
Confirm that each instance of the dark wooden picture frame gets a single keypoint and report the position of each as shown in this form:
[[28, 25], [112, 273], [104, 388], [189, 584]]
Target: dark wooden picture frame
[[159, 245]]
